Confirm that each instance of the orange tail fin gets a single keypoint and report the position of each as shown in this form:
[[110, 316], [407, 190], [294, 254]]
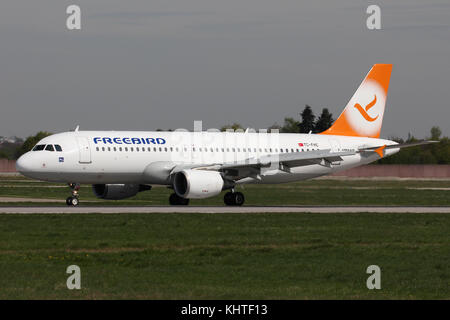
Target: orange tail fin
[[363, 115]]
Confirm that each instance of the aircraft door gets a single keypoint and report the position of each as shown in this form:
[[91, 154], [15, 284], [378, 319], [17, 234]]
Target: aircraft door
[[84, 150]]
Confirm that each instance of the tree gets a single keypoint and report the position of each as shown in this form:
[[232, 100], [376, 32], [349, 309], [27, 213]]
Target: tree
[[8, 150], [235, 126], [436, 153], [435, 133], [275, 126], [30, 142], [4, 155], [290, 126], [441, 151], [308, 120], [324, 121]]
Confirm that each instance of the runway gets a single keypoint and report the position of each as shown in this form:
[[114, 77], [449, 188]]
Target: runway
[[215, 209]]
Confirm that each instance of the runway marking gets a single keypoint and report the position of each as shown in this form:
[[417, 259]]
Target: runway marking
[[211, 209], [16, 199]]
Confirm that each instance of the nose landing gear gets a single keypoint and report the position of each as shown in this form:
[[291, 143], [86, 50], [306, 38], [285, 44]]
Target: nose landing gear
[[74, 199]]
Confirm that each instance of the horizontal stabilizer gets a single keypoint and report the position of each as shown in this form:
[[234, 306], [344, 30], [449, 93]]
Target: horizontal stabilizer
[[399, 145]]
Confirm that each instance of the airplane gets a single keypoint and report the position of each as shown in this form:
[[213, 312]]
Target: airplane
[[202, 164]]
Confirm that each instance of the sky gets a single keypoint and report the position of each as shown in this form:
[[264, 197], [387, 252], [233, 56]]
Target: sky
[[147, 65]]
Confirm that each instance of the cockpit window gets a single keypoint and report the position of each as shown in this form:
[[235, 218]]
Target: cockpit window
[[49, 147], [39, 147], [58, 147]]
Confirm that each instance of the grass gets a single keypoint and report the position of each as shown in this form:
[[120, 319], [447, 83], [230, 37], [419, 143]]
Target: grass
[[225, 256], [312, 192], [231, 256]]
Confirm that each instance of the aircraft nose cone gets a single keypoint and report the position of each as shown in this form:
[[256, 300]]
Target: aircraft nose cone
[[22, 164]]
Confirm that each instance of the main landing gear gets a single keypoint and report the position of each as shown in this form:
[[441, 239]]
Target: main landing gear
[[176, 200], [230, 199], [234, 198], [74, 199]]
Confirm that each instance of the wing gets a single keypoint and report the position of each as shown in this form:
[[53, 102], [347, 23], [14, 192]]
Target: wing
[[251, 167]]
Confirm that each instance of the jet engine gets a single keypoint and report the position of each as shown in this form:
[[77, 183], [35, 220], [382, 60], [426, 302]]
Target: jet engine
[[118, 191], [197, 184]]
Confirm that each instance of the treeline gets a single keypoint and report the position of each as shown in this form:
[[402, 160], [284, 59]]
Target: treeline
[[438, 153], [13, 151], [307, 123]]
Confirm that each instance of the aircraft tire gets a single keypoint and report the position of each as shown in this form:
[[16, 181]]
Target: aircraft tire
[[175, 200]]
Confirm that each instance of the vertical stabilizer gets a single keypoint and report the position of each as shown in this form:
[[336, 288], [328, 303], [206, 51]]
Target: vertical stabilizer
[[363, 115]]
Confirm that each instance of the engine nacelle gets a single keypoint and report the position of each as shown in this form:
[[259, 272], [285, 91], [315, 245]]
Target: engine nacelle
[[118, 191], [197, 184]]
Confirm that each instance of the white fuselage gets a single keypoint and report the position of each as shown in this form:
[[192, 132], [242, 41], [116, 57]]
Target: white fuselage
[[102, 157]]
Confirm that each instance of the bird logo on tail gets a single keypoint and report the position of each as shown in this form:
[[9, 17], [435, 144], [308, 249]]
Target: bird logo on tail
[[364, 112]]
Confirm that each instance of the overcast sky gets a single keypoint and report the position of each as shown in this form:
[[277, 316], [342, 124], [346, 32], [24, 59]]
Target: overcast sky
[[143, 65]]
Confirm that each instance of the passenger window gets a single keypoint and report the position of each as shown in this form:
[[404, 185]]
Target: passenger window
[[49, 147], [120, 148], [103, 148], [97, 149], [58, 147]]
